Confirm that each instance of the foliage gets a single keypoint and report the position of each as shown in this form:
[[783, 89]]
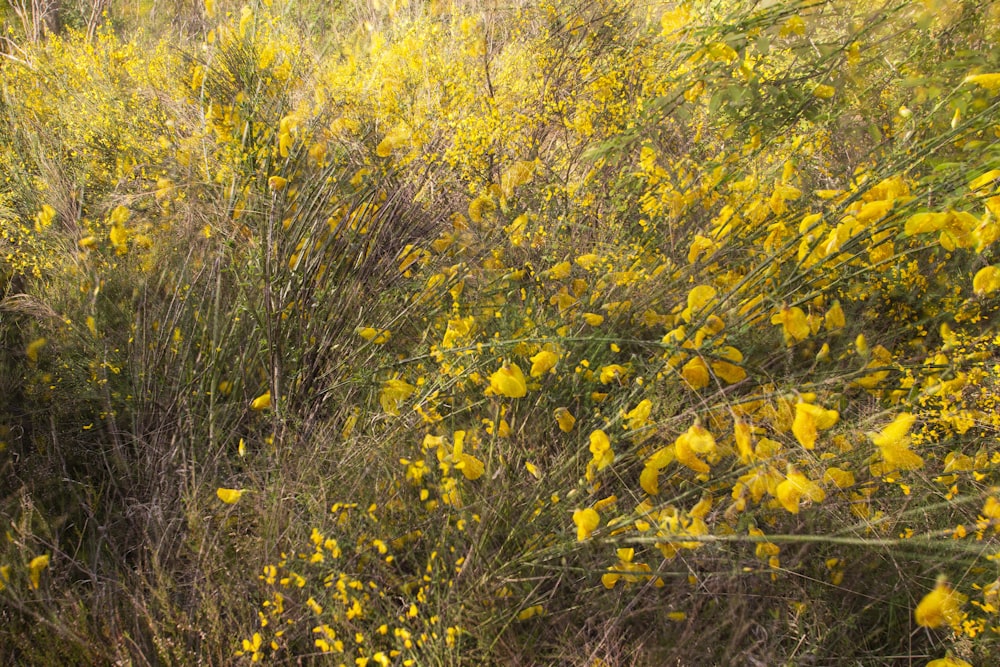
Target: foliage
[[560, 330]]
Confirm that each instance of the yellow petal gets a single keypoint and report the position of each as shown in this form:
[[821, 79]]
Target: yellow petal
[[543, 362], [695, 373], [986, 280], [649, 480], [948, 662], [696, 440], [34, 347], [586, 521], [940, 607], [35, 567], [509, 381], [895, 432], [394, 392], [834, 317], [565, 419], [989, 81], [262, 402], [229, 496]]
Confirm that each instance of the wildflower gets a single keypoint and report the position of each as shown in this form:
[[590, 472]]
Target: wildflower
[[794, 324], [262, 402], [393, 393], [834, 317], [612, 373], [696, 440], [470, 466], [809, 420], [34, 347], [824, 92], [543, 362], [942, 606], [600, 447], [948, 662], [695, 373], [986, 280], [565, 420], [794, 488], [894, 444], [229, 496], [509, 381], [989, 81], [586, 521], [35, 567]]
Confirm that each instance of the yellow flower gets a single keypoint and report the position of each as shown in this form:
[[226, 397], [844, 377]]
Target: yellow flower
[[794, 488], [986, 280], [696, 440], [838, 477], [948, 662], [530, 612], [393, 393], [824, 92], [509, 381], [613, 373], [942, 606], [809, 420], [835, 317], [376, 336], [229, 496], [34, 347], [727, 371], [593, 319], [989, 81], [794, 324], [638, 416], [565, 419], [262, 402], [277, 183], [698, 299], [695, 373], [543, 362], [470, 466], [586, 521], [35, 567], [894, 443], [600, 447]]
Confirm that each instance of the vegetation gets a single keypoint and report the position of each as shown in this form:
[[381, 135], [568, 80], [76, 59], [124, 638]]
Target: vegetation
[[561, 332]]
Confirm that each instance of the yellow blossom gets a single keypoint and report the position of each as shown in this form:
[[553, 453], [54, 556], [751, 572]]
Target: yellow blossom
[[586, 521], [986, 280], [35, 568], [692, 443], [543, 362], [942, 606], [229, 496], [262, 402], [509, 381], [795, 487], [394, 392], [600, 447], [695, 373], [948, 662], [565, 419], [809, 420], [34, 347], [793, 323]]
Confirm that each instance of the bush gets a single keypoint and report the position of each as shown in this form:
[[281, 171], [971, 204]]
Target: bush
[[564, 331]]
